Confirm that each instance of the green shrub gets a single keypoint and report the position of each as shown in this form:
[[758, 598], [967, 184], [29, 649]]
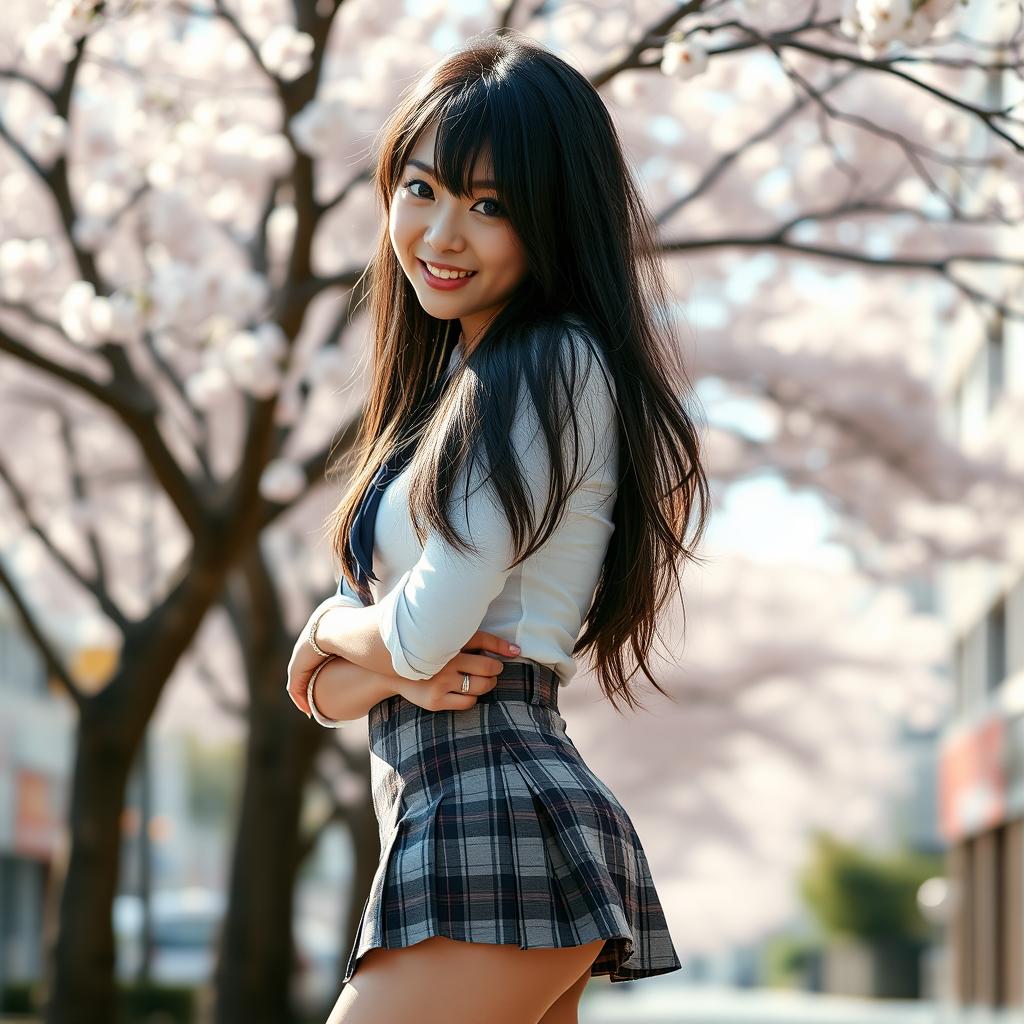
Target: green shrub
[[788, 959], [867, 896]]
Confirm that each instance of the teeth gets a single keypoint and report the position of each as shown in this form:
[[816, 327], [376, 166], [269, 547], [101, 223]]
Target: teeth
[[447, 275]]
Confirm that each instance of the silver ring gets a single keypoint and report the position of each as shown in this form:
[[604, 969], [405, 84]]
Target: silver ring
[[465, 683]]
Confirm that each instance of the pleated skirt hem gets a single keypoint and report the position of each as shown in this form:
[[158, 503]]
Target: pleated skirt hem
[[618, 973]]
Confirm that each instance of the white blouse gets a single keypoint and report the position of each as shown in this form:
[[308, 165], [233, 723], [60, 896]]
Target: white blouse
[[433, 598]]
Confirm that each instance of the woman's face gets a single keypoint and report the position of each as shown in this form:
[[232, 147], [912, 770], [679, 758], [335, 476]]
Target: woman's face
[[427, 224]]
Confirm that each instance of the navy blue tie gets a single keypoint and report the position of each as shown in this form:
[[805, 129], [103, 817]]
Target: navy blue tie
[[362, 533]]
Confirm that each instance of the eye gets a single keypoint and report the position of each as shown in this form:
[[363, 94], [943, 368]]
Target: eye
[[494, 202], [415, 181], [408, 185]]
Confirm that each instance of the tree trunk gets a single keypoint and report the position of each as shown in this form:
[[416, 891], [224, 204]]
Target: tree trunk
[[256, 953], [256, 958], [111, 725], [82, 987]]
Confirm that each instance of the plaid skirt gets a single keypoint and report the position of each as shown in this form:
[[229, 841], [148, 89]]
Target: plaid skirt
[[494, 829]]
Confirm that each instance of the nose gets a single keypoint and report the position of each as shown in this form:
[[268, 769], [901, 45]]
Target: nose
[[442, 235]]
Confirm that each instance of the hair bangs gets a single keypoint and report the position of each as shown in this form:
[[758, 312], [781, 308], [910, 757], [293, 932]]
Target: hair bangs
[[473, 116], [464, 132]]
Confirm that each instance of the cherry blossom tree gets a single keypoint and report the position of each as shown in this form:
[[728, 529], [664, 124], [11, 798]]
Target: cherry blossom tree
[[186, 218]]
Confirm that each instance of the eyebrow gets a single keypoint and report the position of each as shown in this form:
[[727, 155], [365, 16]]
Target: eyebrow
[[479, 183]]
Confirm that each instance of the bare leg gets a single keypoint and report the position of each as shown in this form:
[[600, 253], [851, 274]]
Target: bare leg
[[565, 1009], [444, 981]]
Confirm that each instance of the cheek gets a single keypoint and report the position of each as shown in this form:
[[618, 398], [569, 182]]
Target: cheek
[[395, 226], [509, 256], [515, 262], [401, 227]]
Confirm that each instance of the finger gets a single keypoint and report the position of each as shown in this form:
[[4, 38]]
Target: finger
[[478, 684], [499, 644], [481, 665], [482, 640], [297, 692], [304, 689]]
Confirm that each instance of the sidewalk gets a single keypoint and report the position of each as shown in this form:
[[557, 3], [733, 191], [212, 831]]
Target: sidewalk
[[650, 1003]]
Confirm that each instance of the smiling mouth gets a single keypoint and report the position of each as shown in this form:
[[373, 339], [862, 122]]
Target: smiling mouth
[[443, 284], [468, 273]]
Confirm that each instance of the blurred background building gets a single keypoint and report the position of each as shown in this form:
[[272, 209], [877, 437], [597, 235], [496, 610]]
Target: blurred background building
[[36, 734], [982, 756]]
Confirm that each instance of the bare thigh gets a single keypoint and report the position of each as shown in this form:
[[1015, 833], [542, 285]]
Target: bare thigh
[[565, 1009], [445, 981]]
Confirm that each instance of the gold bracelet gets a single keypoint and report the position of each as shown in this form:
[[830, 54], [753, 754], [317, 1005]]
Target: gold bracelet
[[311, 637], [330, 723]]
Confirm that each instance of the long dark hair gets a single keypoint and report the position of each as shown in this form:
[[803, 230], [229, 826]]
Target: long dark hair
[[590, 241]]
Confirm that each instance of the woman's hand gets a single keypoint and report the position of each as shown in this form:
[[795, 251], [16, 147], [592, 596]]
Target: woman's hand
[[443, 691], [304, 660]]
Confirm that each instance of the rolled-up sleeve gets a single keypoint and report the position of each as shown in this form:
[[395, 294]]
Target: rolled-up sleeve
[[433, 609]]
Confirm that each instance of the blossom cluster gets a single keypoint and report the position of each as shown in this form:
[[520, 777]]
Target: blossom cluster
[[875, 25]]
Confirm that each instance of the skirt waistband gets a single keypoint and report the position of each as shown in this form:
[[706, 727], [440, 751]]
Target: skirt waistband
[[525, 680], [522, 679]]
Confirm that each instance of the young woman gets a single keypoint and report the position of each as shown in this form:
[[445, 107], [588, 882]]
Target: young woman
[[525, 467]]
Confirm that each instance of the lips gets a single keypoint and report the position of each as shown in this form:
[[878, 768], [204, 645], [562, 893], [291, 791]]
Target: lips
[[440, 283]]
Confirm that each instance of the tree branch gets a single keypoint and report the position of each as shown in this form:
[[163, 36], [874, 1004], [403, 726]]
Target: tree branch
[[941, 265], [92, 586], [46, 649]]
